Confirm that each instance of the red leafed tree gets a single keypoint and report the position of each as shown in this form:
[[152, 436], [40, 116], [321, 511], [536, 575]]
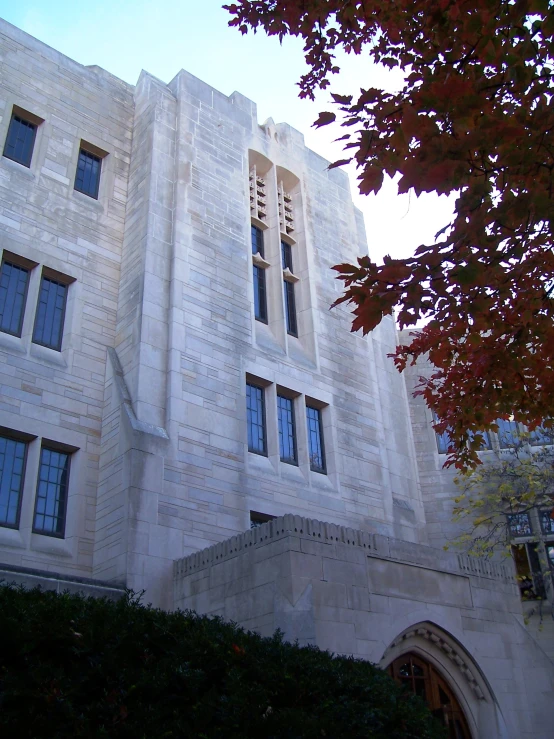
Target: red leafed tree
[[475, 117]]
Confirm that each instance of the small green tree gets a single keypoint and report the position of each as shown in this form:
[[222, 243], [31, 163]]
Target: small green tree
[[505, 506]]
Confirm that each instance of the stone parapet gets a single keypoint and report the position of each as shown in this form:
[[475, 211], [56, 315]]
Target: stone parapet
[[375, 545]]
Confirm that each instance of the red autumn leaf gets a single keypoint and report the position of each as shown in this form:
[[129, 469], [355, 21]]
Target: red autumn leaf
[[473, 117]]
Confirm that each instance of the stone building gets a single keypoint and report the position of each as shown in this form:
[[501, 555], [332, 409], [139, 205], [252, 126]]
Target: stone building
[[172, 375]]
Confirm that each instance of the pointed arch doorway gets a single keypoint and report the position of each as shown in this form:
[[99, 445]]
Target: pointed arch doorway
[[424, 680]]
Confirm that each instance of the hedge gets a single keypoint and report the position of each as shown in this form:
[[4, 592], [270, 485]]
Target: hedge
[[82, 667]]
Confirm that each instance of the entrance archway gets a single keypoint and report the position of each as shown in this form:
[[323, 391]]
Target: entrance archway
[[424, 680]]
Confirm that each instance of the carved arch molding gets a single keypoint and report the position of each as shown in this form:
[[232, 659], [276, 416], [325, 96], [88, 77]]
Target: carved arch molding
[[449, 647]]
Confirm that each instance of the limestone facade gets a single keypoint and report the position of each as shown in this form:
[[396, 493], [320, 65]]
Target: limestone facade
[[146, 397]]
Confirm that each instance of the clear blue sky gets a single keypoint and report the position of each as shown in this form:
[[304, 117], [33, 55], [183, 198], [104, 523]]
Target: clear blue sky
[[164, 36]]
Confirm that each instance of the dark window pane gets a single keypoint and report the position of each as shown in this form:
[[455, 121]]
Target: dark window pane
[[519, 524], [547, 522], [20, 141], [287, 430], [443, 440], [258, 519], [12, 468], [315, 439], [257, 236], [290, 308], [541, 437], [87, 178], [13, 293], [260, 299], [486, 439], [51, 492], [255, 419], [50, 313], [507, 433], [286, 256]]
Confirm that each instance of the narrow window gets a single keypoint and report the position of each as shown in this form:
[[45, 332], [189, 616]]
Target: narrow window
[[528, 571], [315, 440], [443, 440], [288, 287], [50, 315], [255, 419], [87, 179], [260, 297], [507, 433], [287, 430], [20, 140], [486, 443], [14, 281], [53, 477], [12, 468], [547, 522]]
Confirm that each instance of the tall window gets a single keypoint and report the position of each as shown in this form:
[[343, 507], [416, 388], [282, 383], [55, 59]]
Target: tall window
[[50, 313], [315, 439], [529, 578], [87, 178], [287, 430], [255, 419], [13, 294], [20, 140], [288, 287], [507, 433], [51, 499], [260, 297], [12, 465]]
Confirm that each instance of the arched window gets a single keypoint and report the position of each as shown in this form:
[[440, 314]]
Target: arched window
[[422, 679]]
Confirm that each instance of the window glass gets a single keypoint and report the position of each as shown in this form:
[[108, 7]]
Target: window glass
[[540, 437], [260, 297], [286, 256], [507, 433], [51, 492], [257, 240], [290, 308], [287, 430], [255, 419], [258, 519], [20, 140], [87, 178], [288, 287], [315, 439], [550, 553], [547, 522], [12, 467], [520, 524], [50, 313], [486, 439], [13, 294]]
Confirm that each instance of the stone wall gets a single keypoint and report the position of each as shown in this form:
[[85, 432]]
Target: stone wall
[[376, 598], [47, 394]]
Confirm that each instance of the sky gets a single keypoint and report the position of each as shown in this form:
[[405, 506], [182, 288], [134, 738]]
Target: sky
[[162, 37]]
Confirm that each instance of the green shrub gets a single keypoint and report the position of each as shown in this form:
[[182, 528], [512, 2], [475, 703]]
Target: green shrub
[[76, 667]]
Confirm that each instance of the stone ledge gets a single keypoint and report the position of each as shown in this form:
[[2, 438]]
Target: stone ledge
[[30, 578], [329, 533], [304, 528]]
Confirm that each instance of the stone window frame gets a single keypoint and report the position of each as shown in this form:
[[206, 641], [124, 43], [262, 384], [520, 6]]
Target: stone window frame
[[49, 446], [22, 263], [279, 386], [25, 439], [61, 279], [29, 118]]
